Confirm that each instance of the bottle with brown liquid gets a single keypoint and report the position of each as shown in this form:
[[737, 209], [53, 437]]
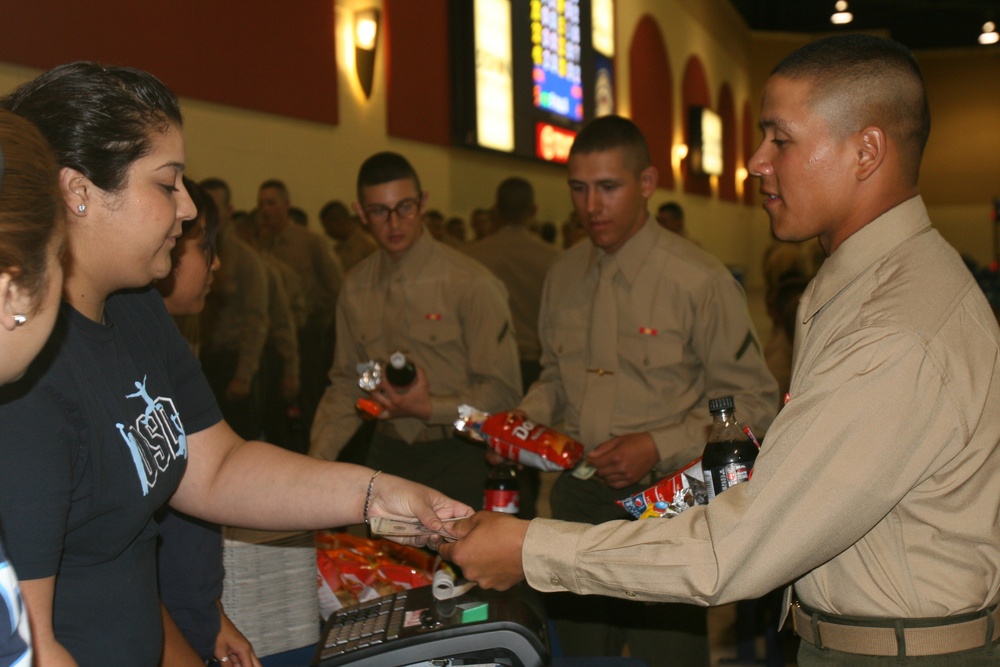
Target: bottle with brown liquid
[[502, 493], [400, 371], [729, 454]]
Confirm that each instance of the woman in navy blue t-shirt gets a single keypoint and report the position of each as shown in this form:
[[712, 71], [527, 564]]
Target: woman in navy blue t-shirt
[[122, 416]]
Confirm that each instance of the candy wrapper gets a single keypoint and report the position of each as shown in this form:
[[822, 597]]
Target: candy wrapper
[[671, 495], [521, 440], [369, 378]]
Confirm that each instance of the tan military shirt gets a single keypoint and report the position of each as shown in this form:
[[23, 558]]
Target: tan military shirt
[[318, 269], [877, 489], [236, 313], [453, 321], [292, 286], [684, 336], [520, 259], [356, 247], [283, 332]]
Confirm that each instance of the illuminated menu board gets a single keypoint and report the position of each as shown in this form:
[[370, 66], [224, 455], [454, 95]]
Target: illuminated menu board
[[528, 74], [555, 57]]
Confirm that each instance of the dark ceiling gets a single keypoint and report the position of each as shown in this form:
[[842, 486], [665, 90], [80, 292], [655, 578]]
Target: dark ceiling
[[919, 24]]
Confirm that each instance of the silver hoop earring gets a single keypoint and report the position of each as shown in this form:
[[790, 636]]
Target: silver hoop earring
[[81, 208], [19, 319]]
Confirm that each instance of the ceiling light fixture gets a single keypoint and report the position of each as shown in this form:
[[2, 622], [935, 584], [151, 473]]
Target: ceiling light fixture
[[841, 16], [990, 35]]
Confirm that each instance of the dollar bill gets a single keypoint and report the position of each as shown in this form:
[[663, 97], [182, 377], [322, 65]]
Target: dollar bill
[[390, 527]]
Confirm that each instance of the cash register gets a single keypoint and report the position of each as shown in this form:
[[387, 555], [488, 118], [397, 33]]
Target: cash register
[[413, 628]]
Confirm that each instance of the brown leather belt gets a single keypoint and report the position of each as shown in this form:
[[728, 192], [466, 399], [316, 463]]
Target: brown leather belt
[[893, 638], [429, 434]]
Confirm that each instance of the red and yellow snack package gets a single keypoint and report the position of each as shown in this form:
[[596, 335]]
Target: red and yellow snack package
[[679, 491], [352, 569], [522, 440]]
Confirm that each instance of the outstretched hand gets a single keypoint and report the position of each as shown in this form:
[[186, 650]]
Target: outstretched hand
[[488, 549], [399, 498]]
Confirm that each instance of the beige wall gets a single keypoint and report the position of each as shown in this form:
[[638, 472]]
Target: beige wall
[[319, 162]]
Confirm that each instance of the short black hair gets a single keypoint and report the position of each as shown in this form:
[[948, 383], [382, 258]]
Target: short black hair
[[275, 184], [515, 200], [335, 208], [218, 185], [860, 80], [610, 133], [672, 207], [385, 167]]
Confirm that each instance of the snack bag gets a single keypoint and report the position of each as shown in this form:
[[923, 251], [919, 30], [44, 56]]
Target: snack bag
[[353, 569], [521, 440], [679, 491]]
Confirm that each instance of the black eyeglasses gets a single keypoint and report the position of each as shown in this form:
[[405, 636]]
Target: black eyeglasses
[[404, 209]]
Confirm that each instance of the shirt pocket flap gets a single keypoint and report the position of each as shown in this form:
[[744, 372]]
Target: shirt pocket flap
[[435, 330]]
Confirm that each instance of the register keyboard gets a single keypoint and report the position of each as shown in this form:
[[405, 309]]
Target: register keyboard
[[412, 628]]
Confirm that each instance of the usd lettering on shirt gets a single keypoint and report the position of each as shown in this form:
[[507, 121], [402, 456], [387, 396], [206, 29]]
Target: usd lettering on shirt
[[155, 438]]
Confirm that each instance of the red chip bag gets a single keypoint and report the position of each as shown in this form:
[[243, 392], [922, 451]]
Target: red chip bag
[[518, 439]]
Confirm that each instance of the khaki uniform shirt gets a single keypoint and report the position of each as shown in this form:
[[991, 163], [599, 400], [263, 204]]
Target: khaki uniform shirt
[[877, 489], [292, 287], [236, 313], [317, 268], [356, 247], [283, 332], [453, 321], [684, 336], [520, 259]]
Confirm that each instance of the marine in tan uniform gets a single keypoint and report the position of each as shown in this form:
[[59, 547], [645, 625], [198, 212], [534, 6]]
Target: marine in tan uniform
[[678, 333], [351, 243], [520, 259], [877, 489], [446, 312], [320, 275], [235, 322]]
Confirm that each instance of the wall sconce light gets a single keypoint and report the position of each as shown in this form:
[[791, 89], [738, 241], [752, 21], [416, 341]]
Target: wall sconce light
[[841, 16], [989, 35], [366, 29]]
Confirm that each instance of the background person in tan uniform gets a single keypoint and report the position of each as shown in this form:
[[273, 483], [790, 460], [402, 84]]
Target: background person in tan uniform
[[520, 259], [234, 323], [446, 312], [320, 274], [351, 243], [677, 334], [877, 489]]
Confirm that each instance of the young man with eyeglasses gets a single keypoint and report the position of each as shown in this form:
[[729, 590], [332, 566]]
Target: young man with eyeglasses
[[446, 312]]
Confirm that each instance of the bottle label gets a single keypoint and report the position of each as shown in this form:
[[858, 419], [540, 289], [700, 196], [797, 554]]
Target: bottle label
[[719, 479], [497, 500]]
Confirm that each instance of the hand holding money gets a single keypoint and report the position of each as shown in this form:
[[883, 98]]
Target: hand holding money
[[415, 514], [385, 526]]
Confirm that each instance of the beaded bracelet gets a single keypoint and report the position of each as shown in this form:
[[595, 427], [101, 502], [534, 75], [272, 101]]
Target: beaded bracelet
[[368, 497]]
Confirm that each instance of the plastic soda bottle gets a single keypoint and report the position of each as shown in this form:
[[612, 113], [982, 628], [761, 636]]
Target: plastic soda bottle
[[501, 493], [729, 454]]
